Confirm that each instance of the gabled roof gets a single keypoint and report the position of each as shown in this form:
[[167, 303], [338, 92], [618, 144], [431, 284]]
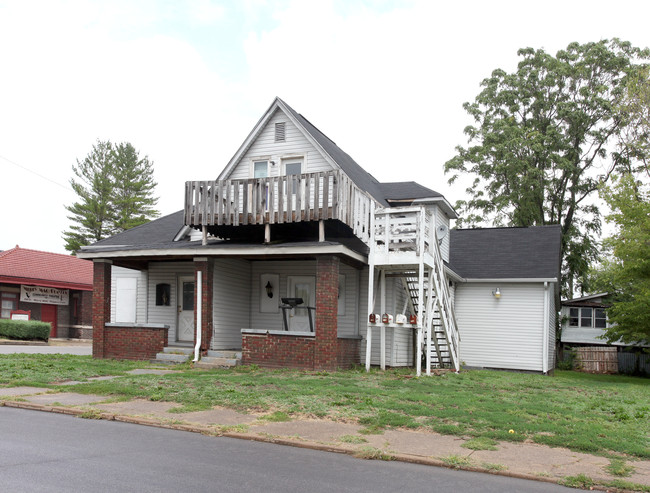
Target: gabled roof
[[506, 253], [53, 270], [591, 300], [330, 151]]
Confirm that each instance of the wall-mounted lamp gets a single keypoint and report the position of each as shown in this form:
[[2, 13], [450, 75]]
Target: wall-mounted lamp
[[272, 163], [496, 293], [269, 289]]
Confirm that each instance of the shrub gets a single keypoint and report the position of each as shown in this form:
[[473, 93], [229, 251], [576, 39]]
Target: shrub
[[25, 329]]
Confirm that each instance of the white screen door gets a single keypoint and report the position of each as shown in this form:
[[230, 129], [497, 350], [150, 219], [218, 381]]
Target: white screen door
[[301, 287], [185, 300]]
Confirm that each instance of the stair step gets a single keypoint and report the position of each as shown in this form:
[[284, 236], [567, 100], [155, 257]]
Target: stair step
[[178, 350], [221, 353], [215, 362], [172, 358]]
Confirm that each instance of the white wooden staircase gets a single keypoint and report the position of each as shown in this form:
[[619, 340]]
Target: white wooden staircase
[[403, 244]]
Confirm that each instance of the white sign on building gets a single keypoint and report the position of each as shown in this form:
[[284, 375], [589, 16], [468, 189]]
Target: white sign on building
[[39, 294]]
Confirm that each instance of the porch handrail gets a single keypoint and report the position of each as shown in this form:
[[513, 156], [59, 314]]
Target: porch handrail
[[279, 199]]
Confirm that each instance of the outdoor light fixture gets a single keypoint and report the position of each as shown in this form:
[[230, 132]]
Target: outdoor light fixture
[[496, 293], [269, 289]]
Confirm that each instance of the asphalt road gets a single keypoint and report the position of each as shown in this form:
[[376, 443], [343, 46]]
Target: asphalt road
[[52, 452]]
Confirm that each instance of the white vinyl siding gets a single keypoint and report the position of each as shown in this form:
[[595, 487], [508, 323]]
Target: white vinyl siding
[[138, 297], [347, 323], [294, 145], [441, 218], [231, 302], [168, 273], [503, 333]]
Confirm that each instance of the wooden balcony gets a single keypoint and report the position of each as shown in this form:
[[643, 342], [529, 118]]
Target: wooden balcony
[[279, 200]]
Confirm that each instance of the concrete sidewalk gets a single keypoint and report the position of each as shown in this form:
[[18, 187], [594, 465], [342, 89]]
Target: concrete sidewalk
[[79, 347], [524, 460]]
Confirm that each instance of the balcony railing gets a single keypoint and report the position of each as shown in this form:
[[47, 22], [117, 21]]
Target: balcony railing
[[279, 199]]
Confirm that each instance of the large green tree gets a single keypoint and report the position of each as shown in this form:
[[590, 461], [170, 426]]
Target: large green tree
[[625, 273], [543, 141], [115, 192]]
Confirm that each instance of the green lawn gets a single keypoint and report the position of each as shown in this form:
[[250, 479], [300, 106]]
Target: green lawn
[[591, 413]]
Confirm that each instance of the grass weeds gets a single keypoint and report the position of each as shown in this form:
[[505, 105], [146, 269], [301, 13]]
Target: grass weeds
[[354, 439], [619, 467], [480, 443], [580, 481], [373, 453], [457, 461], [589, 413]]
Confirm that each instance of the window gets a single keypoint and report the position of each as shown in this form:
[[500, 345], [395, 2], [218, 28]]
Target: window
[[587, 317], [8, 302], [293, 168], [280, 132], [600, 318], [260, 169]]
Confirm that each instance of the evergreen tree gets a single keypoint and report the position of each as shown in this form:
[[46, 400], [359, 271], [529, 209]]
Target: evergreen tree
[[115, 189], [133, 188]]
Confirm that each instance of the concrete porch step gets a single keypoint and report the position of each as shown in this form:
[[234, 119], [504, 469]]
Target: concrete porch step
[[219, 359], [174, 355]]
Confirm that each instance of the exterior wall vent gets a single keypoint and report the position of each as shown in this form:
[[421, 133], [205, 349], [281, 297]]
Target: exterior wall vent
[[279, 132]]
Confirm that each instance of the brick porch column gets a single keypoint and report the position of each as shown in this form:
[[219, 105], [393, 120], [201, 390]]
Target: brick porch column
[[206, 266], [327, 304], [101, 303]]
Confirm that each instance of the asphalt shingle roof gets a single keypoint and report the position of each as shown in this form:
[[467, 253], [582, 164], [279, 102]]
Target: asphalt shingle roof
[[159, 231], [25, 266], [406, 190], [506, 253]]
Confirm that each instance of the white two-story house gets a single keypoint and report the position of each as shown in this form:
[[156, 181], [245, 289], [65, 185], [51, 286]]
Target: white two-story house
[[294, 255]]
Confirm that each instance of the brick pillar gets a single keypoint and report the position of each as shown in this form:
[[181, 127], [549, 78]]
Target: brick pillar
[[101, 303], [327, 304], [206, 266]]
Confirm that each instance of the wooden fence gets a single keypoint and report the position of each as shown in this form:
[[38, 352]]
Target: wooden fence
[[597, 359]]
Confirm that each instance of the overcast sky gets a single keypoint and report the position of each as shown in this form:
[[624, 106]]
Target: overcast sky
[[185, 82]]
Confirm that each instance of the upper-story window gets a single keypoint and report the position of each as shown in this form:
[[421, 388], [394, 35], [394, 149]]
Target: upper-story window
[[293, 167], [280, 135], [588, 317], [260, 169]]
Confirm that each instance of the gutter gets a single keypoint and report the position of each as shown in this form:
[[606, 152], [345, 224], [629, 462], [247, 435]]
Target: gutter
[[199, 313]]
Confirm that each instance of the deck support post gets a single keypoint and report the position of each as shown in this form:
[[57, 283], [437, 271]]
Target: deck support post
[[382, 330], [267, 233], [204, 236], [321, 230]]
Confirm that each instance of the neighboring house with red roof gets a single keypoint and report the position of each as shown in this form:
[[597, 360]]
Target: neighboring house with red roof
[[55, 288]]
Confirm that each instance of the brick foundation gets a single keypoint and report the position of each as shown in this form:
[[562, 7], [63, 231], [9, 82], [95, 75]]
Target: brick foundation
[[278, 351], [129, 342]]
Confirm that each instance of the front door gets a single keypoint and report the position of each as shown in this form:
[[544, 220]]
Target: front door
[[48, 314], [185, 326], [302, 287]]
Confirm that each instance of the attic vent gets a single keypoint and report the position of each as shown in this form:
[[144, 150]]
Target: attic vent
[[279, 132]]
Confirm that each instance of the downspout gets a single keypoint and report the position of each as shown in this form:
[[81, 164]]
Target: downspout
[[545, 331], [199, 310]]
